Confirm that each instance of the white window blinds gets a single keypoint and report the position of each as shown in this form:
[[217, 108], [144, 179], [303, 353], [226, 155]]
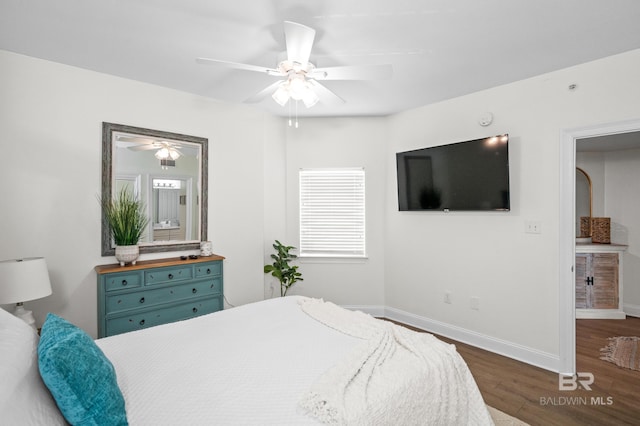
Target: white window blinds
[[332, 213]]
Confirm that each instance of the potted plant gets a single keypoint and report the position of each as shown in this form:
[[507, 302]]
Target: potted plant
[[126, 219], [287, 275]]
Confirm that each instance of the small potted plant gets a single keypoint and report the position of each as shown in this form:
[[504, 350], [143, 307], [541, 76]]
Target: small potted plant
[[126, 219], [287, 275]]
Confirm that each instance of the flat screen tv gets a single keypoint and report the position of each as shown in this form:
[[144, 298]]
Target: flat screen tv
[[463, 176]]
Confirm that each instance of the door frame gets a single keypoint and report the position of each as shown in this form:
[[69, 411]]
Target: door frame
[[567, 248]]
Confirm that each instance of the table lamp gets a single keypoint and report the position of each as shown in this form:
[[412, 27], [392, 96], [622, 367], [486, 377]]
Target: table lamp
[[22, 280]]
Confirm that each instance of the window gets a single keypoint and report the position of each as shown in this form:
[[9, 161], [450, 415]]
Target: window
[[332, 213]]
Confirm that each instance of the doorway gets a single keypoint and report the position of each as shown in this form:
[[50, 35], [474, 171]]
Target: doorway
[[567, 234]]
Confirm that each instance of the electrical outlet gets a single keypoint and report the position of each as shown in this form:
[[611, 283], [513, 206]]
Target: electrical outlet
[[475, 303], [447, 297], [532, 227]]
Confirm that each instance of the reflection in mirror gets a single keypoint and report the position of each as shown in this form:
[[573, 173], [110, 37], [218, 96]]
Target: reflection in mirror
[[172, 209], [168, 172], [583, 203]]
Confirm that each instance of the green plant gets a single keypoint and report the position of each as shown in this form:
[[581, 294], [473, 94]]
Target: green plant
[[125, 217], [287, 275]]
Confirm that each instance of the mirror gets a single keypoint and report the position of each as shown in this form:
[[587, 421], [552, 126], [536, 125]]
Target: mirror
[[168, 172], [583, 203]]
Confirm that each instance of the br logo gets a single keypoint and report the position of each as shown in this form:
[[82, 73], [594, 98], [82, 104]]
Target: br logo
[[578, 380]]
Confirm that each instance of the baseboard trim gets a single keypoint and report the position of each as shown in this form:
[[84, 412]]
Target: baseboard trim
[[515, 351], [632, 310], [374, 311], [599, 314]]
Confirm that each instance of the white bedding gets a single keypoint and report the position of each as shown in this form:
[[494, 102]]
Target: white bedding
[[395, 377], [246, 365]]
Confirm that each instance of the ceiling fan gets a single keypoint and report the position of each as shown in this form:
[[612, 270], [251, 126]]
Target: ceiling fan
[[164, 149], [301, 77]]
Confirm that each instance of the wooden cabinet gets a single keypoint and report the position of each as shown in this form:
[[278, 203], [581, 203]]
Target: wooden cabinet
[[168, 234], [156, 292], [598, 282]]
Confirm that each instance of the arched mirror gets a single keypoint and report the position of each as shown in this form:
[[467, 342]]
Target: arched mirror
[[168, 172], [583, 204]]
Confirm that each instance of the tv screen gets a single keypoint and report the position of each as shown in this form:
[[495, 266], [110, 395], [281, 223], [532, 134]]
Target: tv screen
[[471, 176]]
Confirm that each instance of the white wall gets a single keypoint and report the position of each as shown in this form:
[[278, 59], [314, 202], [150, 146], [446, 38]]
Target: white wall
[[51, 117], [341, 142], [488, 255]]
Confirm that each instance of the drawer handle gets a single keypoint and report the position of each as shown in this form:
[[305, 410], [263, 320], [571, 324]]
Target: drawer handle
[[124, 282], [208, 270], [170, 276], [142, 300], [195, 310], [194, 291], [141, 322]]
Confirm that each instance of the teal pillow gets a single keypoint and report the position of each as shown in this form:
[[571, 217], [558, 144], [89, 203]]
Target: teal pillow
[[79, 376]]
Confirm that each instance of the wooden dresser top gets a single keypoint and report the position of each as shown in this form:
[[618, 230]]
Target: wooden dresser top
[[155, 263]]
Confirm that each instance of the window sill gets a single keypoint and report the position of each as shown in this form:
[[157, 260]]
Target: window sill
[[333, 259]]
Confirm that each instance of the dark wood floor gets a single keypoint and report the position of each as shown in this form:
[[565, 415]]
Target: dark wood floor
[[531, 394]]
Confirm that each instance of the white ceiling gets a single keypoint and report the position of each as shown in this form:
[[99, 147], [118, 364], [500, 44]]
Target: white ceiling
[[439, 49], [615, 142]]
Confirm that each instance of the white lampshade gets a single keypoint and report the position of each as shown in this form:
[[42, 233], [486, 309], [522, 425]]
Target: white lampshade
[[162, 153], [310, 98], [281, 95], [174, 154], [23, 279]]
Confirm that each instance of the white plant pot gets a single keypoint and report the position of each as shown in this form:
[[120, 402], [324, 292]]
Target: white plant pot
[[127, 254]]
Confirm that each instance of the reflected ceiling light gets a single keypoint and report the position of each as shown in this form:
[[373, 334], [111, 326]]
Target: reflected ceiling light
[[167, 152], [174, 154], [162, 153], [493, 140], [167, 184]]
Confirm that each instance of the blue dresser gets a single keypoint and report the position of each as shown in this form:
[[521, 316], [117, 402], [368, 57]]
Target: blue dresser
[[155, 292]]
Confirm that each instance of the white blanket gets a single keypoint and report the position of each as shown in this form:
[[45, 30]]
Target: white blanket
[[394, 377]]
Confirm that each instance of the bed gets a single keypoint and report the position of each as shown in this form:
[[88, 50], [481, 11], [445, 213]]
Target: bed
[[284, 361]]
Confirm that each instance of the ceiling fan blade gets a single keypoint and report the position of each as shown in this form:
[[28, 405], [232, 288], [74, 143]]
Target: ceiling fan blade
[[145, 147], [354, 72], [236, 65], [299, 39], [267, 91], [327, 97], [135, 139]]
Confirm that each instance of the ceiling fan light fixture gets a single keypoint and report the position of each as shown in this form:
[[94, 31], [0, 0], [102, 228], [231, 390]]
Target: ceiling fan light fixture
[[162, 153], [166, 153], [174, 154], [297, 87], [281, 95], [310, 98]]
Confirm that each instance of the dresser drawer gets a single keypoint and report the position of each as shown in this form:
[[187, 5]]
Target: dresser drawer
[[151, 318], [165, 275], [121, 281], [209, 269], [150, 297]]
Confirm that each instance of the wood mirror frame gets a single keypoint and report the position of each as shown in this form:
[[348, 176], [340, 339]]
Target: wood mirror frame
[[108, 130]]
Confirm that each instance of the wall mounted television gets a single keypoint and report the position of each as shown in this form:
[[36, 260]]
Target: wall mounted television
[[464, 176]]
